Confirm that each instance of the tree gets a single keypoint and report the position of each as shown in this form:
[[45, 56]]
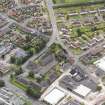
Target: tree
[[27, 46], [11, 76], [93, 28], [12, 59], [55, 48], [82, 104], [18, 71], [67, 17], [25, 103], [38, 43], [99, 88], [2, 83], [79, 32], [31, 74], [31, 51], [33, 92], [3, 56], [18, 61], [103, 16], [28, 38], [54, 1]]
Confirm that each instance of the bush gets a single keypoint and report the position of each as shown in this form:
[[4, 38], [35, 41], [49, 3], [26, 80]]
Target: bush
[[99, 88], [18, 71], [31, 74], [2, 83], [35, 93]]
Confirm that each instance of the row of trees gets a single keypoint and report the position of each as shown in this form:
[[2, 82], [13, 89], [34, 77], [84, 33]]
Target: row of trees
[[36, 45], [18, 60]]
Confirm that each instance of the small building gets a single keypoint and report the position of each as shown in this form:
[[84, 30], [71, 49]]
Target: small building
[[95, 51], [84, 47], [92, 42], [99, 38]]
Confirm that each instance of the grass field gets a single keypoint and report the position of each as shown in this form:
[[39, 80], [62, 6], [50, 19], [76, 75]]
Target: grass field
[[73, 1]]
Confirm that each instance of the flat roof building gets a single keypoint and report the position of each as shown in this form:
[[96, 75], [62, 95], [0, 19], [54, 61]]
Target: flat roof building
[[54, 96], [82, 90], [100, 64]]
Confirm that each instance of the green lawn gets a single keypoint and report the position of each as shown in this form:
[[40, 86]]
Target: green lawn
[[19, 85], [73, 1]]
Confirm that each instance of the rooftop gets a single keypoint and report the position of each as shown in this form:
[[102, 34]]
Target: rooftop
[[100, 64], [82, 90], [54, 96]]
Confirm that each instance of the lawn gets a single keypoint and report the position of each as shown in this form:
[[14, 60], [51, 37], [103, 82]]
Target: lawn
[[18, 84], [73, 1]]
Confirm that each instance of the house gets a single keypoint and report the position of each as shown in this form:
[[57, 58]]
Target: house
[[99, 38], [73, 14], [76, 22], [102, 10], [93, 11], [84, 47], [84, 12], [85, 59], [96, 50], [92, 42]]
